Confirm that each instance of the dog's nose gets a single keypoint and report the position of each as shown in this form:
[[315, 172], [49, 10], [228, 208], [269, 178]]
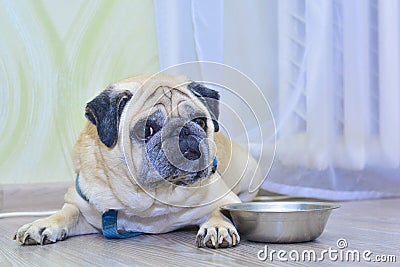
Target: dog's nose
[[191, 154], [189, 144], [185, 131]]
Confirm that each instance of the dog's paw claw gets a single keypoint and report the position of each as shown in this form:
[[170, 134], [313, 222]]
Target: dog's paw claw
[[25, 238], [63, 235], [199, 241], [44, 240], [40, 233], [218, 236]]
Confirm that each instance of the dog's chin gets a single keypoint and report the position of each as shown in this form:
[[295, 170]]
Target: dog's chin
[[184, 178], [151, 178]]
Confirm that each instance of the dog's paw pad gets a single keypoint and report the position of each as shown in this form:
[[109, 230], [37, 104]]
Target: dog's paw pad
[[217, 236], [40, 232]]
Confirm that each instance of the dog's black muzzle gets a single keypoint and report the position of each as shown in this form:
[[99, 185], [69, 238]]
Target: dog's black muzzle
[[180, 152], [189, 143]]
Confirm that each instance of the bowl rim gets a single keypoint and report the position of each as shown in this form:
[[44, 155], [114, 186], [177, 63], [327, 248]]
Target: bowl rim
[[325, 206]]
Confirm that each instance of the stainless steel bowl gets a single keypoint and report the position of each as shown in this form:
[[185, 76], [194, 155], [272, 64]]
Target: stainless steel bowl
[[280, 222]]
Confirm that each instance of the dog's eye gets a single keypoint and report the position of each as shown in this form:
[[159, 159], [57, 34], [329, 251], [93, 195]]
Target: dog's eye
[[201, 122], [148, 131], [144, 132]]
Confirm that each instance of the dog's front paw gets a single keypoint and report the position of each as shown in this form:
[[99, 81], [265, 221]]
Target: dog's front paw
[[217, 235], [42, 231]]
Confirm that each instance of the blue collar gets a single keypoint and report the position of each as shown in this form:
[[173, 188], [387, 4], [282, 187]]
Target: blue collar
[[78, 189], [109, 218], [215, 165]]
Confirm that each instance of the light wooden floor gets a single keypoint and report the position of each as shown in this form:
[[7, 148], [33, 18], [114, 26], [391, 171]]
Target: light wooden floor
[[366, 225]]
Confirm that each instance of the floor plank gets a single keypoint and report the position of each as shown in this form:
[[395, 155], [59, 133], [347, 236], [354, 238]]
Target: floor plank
[[365, 225]]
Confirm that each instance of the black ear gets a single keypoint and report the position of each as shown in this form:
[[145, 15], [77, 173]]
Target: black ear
[[105, 111], [210, 99]]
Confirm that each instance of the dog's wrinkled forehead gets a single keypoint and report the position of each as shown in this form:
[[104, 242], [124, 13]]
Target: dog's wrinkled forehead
[[171, 92], [173, 102]]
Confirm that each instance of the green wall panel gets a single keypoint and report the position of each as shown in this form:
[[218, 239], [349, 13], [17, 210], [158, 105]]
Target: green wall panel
[[54, 57]]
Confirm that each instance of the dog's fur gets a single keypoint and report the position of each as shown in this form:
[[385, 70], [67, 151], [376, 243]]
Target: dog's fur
[[149, 203]]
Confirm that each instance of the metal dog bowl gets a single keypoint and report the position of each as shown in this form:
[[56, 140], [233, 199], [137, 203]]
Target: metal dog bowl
[[280, 222]]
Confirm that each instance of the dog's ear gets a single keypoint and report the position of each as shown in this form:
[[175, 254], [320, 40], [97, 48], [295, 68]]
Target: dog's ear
[[210, 98], [105, 111]]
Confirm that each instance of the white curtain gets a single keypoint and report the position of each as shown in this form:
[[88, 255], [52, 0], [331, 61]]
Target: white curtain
[[189, 31], [330, 70]]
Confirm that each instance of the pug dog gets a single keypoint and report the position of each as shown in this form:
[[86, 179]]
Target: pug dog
[[151, 152]]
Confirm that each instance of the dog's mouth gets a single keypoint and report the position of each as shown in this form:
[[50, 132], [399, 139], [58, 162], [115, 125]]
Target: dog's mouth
[[184, 178]]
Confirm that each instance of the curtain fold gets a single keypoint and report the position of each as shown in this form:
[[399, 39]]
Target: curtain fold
[[189, 30]]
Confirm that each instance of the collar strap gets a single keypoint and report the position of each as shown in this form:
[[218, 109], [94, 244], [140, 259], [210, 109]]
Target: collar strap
[[109, 219], [109, 226], [215, 165], [78, 189]]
